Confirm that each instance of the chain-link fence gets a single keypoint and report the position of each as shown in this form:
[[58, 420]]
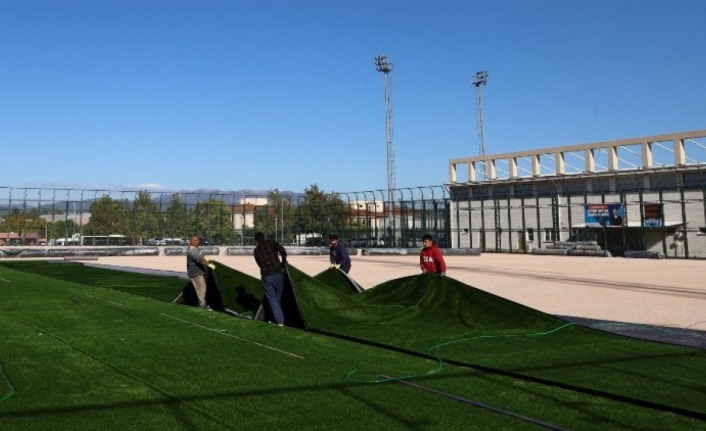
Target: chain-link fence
[[35, 216], [670, 219]]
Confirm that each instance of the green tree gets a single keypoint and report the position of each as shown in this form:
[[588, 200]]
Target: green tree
[[322, 213], [62, 229], [175, 218], [213, 219], [13, 222], [34, 224], [105, 217], [277, 219], [23, 223], [146, 219]]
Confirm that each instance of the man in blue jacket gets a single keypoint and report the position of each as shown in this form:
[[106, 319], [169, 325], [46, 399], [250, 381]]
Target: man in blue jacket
[[338, 255]]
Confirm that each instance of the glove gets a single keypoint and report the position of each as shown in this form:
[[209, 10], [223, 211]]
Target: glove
[[212, 266], [332, 266], [337, 266]]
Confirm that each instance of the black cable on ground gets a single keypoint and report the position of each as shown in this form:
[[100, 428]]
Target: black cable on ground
[[523, 377], [478, 404]]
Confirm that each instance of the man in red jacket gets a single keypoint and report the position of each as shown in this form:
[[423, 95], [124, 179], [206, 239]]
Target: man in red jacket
[[430, 259]]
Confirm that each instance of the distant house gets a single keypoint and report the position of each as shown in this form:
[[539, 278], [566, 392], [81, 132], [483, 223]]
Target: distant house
[[244, 214], [13, 238]]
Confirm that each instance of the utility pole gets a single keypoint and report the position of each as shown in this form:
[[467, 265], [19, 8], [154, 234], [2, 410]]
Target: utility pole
[[382, 65], [480, 80]]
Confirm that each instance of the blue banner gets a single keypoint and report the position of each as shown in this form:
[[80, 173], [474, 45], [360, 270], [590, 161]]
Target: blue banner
[[603, 215]]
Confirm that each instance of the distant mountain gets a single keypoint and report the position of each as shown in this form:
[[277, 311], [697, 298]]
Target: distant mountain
[[191, 197]]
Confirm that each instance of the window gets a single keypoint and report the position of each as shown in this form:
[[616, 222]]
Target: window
[[501, 191], [481, 192], [523, 190], [694, 180], [530, 234], [459, 193], [702, 231], [549, 235], [546, 189]]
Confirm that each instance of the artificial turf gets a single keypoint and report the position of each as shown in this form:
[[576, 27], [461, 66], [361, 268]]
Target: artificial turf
[[110, 357], [444, 318]]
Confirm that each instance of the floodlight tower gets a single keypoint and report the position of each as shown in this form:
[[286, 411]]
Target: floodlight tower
[[382, 65], [480, 80]]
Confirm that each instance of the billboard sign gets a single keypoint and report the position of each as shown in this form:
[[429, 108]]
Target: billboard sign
[[652, 215], [603, 215]]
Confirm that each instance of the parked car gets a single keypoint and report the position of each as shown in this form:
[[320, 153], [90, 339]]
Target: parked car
[[386, 241], [411, 242], [157, 241], [364, 242], [316, 242], [374, 241], [356, 242]]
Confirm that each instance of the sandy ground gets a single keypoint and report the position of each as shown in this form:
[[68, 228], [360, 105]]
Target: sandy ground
[[663, 292], [666, 293]]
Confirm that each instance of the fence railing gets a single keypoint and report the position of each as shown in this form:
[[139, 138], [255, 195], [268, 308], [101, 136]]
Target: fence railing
[[34, 216], [511, 223]]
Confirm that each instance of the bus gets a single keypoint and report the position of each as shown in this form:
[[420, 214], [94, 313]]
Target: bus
[[75, 239]]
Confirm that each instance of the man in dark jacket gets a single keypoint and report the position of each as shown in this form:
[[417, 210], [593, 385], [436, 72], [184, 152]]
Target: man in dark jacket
[[338, 255], [267, 255]]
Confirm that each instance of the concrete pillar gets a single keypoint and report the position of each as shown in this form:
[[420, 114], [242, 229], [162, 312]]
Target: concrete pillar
[[647, 155], [679, 152], [612, 158], [513, 167], [560, 167], [536, 168], [590, 161]]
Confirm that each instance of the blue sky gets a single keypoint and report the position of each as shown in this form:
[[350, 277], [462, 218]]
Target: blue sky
[[265, 94]]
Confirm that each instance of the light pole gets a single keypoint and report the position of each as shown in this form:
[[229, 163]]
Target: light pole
[[479, 80], [242, 227], [66, 218], [382, 65]]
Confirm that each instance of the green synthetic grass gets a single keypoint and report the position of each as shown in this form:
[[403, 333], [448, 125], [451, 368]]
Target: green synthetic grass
[[109, 359], [447, 319], [163, 287], [335, 279], [240, 292]]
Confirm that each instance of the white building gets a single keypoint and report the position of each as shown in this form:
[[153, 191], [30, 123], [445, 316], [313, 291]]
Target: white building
[[523, 200]]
